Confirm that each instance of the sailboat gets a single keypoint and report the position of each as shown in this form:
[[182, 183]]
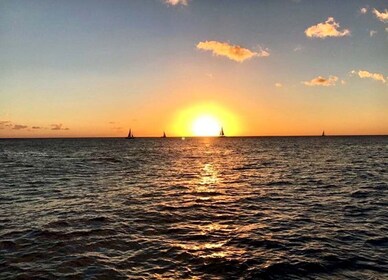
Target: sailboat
[[130, 135], [164, 135], [323, 133], [222, 134]]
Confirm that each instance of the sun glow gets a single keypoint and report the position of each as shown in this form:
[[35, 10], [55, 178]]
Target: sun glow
[[206, 126], [205, 119]]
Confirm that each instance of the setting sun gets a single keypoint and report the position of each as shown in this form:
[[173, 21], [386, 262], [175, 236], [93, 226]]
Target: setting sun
[[205, 119], [206, 126]]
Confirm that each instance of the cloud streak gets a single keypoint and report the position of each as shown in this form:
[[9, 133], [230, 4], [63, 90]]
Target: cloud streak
[[19, 127], [233, 52], [176, 2], [363, 74], [58, 127], [381, 16], [329, 28], [322, 81]]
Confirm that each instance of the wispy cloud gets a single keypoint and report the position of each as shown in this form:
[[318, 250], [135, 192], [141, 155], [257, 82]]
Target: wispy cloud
[[278, 85], [58, 127], [233, 52], [364, 10], [363, 74], [372, 33], [3, 124], [298, 48], [381, 16], [19, 127], [322, 81], [329, 28], [176, 2], [36, 127]]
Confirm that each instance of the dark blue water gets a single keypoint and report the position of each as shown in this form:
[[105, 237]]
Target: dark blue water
[[216, 208]]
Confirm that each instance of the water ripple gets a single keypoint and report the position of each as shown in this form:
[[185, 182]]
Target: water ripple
[[206, 208]]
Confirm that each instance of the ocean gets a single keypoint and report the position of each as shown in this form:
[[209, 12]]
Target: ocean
[[199, 208]]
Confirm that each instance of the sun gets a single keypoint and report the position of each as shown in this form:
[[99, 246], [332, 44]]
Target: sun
[[206, 125], [205, 119]]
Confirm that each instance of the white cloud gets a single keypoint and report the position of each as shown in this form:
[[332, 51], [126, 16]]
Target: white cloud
[[364, 10], [381, 16], [176, 2], [372, 33], [329, 28], [322, 81], [233, 52], [363, 74]]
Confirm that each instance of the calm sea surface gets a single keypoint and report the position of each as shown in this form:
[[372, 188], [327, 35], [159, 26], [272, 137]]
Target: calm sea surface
[[204, 208]]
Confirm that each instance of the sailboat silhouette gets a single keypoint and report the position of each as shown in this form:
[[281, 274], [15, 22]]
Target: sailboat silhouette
[[222, 134], [130, 135], [164, 135], [323, 133]]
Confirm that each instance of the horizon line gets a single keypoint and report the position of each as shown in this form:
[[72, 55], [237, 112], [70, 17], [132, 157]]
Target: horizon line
[[186, 137]]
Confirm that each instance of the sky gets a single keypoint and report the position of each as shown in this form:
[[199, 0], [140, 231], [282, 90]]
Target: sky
[[96, 68]]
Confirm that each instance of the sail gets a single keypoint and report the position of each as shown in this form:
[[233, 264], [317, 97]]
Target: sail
[[323, 133], [222, 132], [130, 134], [164, 134]]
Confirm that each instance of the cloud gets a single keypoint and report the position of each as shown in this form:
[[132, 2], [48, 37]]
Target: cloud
[[321, 81], [363, 74], [298, 48], [233, 52], [3, 124], [58, 127], [381, 16], [329, 28], [36, 127], [176, 2], [372, 33], [19, 127], [278, 85], [364, 10]]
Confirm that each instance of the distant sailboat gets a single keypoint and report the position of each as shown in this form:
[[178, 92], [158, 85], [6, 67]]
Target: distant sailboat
[[323, 133], [130, 135], [164, 135], [222, 134]]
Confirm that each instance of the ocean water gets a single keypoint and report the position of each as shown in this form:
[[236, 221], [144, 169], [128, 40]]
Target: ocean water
[[200, 208]]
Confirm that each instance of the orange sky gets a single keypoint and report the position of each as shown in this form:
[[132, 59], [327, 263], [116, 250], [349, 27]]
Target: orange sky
[[255, 69]]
